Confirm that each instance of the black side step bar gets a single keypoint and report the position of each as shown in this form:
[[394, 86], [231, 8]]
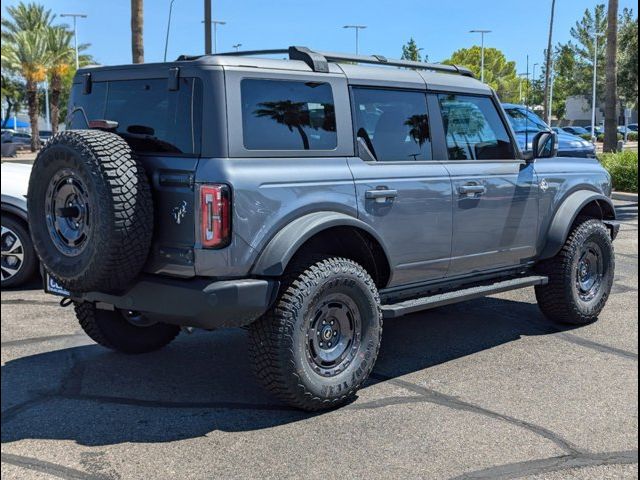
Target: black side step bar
[[418, 304]]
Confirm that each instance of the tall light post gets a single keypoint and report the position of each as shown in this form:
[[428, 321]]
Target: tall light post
[[482, 34], [595, 82], [75, 32], [215, 24], [357, 28], [550, 107], [522, 76], [166, 40], [237, 47]]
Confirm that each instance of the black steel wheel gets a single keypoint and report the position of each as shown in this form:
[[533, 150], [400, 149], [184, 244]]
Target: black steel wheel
[[318, 344], [580, 275], [90, 211]]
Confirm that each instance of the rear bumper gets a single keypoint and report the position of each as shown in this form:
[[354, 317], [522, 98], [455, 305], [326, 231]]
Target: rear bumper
[[193, 303]]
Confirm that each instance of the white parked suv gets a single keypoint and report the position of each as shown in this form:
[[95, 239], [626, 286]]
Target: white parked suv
[[19, 260]]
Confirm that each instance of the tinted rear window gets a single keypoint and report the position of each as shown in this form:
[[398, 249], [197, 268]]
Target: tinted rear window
[[150, 117], [288, 115]]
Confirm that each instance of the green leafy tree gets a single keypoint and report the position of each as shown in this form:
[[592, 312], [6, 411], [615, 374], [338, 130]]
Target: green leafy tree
[[628, 58], [410, 51], [13, 95], [564, 62], [583, 46], [499, 72]]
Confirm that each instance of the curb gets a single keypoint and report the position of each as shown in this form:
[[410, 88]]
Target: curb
[[627, 197]]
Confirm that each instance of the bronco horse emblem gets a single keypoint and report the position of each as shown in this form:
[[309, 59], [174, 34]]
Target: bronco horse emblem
[[179, 212]]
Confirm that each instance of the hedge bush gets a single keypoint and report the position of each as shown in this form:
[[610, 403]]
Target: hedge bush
[[623, 168]]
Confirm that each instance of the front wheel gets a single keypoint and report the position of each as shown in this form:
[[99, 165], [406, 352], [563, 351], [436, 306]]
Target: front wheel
[[315, 348], [580, 276]]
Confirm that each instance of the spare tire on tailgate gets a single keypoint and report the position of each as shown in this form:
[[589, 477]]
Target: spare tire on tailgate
[[90, 211]]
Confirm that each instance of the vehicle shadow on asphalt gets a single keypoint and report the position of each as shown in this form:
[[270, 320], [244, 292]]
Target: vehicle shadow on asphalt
[[202, 382]]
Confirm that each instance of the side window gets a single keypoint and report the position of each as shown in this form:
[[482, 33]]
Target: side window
[[394, 124], [474, 129], [288, 115]]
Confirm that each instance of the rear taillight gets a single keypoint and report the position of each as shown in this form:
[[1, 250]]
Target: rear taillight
[[215, 207]]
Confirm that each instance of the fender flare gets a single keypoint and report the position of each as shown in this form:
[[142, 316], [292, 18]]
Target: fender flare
[[565, 216], [15, 210], [275, 257]]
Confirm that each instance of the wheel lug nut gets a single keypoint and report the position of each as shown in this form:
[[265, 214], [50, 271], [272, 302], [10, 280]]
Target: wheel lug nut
[[321, 344], [335, 333]]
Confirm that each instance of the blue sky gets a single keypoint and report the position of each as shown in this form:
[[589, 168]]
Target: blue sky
[[440, 27]]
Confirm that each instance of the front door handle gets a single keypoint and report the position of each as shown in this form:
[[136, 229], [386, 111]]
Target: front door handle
[[381, 194], [472, 189]]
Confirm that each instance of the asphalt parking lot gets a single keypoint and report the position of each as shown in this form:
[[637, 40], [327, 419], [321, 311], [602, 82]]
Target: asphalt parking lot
[[487, 389]]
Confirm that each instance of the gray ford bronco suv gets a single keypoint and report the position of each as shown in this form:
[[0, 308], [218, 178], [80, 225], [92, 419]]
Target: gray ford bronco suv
[[306, 199]]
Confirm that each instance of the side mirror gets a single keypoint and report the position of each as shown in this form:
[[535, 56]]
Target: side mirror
[[545, 145]]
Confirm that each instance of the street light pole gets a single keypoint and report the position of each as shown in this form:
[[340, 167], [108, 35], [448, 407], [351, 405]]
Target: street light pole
[[357, 28], [215, 34], [166, 41], [550, 107], [522, 76], [75, 32], [215, 24], [595, 84], [482, 33], [237, 46]]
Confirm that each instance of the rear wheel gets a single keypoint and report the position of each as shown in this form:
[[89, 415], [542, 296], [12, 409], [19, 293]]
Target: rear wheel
[[318, 344], [18, 257], [580, 276], [125, 332]]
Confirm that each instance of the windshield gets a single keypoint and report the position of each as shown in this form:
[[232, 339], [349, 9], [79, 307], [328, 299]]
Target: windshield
[[525, 121]]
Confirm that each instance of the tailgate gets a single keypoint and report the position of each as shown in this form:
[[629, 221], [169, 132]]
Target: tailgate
[[172, 181]]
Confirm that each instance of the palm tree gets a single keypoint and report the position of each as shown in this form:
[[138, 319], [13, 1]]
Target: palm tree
[[611, 101], [137, 19], [61, 58], [24, 51], [25, 17], [27, 54]]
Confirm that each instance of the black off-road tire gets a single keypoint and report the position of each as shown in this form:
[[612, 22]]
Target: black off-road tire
[[117, 223], [27, 268], [279, 342], [112, 330], [560, 299]]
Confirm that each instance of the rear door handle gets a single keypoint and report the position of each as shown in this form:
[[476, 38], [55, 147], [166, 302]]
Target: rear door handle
[[380, 195], [472, 189]]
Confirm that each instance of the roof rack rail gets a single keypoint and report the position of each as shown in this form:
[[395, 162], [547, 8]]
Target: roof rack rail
[[319, 61]]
